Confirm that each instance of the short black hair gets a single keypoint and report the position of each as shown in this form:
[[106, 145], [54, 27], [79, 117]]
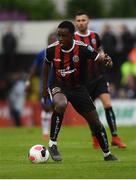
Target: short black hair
[[68, 25], [79, 13]]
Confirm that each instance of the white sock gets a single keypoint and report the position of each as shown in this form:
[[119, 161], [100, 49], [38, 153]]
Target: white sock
[[52, 143], [45, 121], [107, 154]]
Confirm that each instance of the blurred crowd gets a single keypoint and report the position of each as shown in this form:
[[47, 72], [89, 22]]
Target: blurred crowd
[[121, 46]]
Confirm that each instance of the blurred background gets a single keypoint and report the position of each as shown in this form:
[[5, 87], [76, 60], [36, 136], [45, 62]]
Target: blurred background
[[25, 27]]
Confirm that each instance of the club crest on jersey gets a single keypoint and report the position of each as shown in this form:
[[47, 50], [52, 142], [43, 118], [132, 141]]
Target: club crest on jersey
[[75, 58], [93, 41]]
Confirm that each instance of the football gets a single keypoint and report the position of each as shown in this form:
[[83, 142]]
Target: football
[[38, 154]]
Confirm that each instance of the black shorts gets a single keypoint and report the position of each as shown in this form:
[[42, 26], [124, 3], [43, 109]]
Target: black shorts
[[79, 98], [98, 87]]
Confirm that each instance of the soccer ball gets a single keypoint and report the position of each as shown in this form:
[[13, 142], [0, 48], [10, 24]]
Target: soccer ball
[[38, 154]]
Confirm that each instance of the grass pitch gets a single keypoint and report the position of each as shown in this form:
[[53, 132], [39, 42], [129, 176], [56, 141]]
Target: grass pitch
[[80, 160]]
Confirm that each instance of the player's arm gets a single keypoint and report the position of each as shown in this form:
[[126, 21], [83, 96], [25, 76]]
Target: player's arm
[[101, 51], [45, 74], [35, 65], [105, 59], [31, 73], [100, 56], [29, 76]]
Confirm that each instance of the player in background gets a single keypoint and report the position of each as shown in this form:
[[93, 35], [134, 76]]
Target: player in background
[[68, 58], [36, 68], [97, 84]]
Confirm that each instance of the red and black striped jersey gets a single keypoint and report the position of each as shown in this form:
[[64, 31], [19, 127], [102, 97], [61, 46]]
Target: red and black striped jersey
[[70, 66], [91, 38]]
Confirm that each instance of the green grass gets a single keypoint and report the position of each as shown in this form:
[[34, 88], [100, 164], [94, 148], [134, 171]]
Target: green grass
[[79, 159]]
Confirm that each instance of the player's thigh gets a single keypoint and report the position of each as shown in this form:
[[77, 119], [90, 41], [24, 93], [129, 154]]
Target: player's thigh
[[81, 100]]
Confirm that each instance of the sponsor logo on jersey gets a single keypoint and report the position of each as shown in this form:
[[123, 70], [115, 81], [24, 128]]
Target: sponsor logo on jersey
[[66, 71], [57, 60]]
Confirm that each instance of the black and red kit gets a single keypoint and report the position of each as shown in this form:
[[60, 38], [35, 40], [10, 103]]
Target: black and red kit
[[70, 65], [70, 70], [96, 83]]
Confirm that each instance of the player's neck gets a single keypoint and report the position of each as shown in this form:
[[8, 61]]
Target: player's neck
[[68, 46], [85, 32]]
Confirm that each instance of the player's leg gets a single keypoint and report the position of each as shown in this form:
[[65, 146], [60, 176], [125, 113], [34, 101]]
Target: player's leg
[[111, 119], [100, 133], [59, 104], [16, 115], [92, 87], [83, 104], [46, 114], [101, 91], [45, 123]]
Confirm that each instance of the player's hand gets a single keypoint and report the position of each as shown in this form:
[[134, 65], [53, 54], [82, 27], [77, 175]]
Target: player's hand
[[46, 102], [27, 85], [43, 101], [45, 95], [108, 61]]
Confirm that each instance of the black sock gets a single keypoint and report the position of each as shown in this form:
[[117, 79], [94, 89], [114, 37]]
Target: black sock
[[56, 122], [110, 116], [97, 127], [102, 138]]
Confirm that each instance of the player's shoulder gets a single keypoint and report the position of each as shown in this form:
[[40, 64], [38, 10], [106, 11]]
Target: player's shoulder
[[53, 44], [84, 46], [80, 43], [42, 52], [94, 32]]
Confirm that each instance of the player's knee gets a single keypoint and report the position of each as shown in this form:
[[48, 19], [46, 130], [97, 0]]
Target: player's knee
[[61, 106], [107, 105], [60, 102]]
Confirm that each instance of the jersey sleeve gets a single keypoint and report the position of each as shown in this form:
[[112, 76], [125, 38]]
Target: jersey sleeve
[[39, 58], [48, 56], [91, 53]]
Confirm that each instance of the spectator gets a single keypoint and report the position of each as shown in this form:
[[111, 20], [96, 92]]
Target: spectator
[[128, 67], [127, 41], [109, 43], [130, 87], [16, 98], [9, 45]]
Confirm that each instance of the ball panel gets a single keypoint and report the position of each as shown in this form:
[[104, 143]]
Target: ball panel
[[38, 154], [39, 148], [31, 158]]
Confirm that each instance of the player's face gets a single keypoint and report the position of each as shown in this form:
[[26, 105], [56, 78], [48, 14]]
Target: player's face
[[65, 38], [81, 23]]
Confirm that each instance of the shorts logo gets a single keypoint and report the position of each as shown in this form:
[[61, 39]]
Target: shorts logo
[[75, 58], [56, 90]]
